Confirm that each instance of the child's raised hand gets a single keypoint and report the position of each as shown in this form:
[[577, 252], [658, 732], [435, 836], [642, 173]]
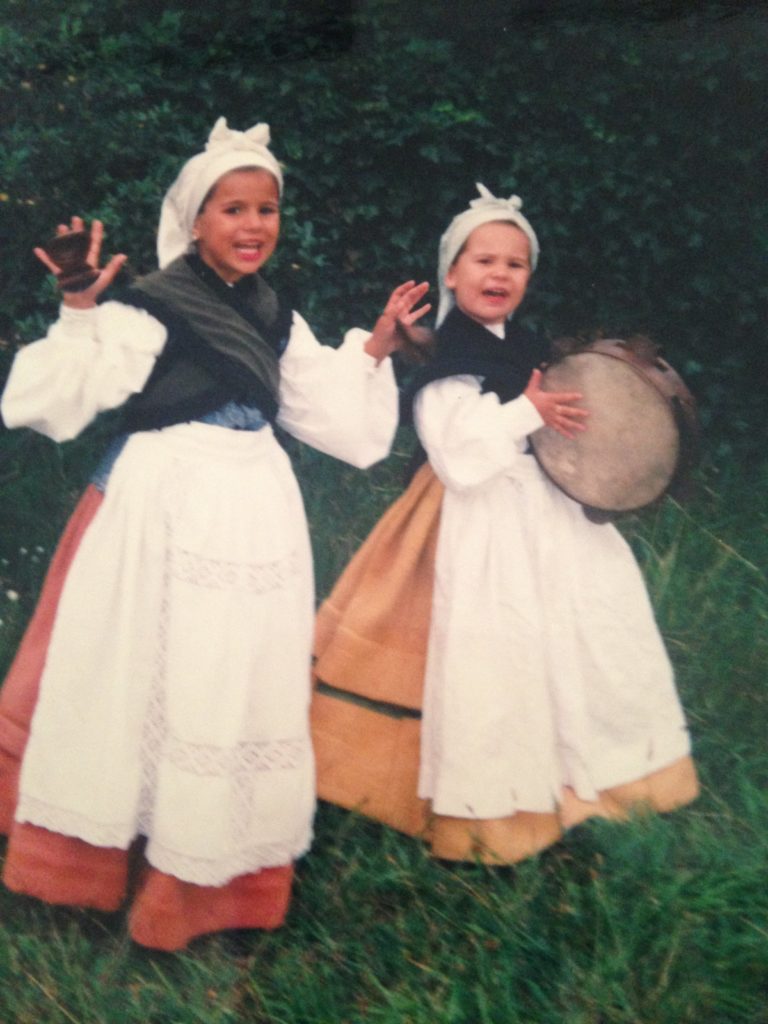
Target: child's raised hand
[[556, 408], [102, 277], [395, 328]]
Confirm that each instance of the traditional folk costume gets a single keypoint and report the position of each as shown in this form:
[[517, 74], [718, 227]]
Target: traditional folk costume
[[489, 668], [166, 671]]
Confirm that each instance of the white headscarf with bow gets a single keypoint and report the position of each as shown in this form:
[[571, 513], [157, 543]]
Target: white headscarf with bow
[[225, 151], [487, 208]]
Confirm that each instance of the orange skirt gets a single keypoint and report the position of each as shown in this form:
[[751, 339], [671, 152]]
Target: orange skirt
[[166, 913], [371, 644]]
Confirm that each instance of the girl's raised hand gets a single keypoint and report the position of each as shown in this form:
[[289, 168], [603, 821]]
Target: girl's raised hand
[[104, 276], [395, 330], [557, 408]]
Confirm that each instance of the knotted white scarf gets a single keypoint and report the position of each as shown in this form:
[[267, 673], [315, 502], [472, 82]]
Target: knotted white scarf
[[226, 150], [487, 208]]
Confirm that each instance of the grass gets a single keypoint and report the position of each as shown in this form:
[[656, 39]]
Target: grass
[[660, 921]]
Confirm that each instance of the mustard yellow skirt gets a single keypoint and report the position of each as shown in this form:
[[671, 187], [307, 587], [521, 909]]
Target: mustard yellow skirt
[[370, 648]]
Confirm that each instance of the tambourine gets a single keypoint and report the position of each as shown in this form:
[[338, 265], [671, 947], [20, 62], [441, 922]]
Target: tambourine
[[642, 430]]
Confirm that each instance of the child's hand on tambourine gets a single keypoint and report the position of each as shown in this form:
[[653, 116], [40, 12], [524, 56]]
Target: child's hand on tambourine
[[557, 408], [73, 257]]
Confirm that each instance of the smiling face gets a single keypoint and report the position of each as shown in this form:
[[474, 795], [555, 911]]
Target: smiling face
[[491, 273], [239, 223]]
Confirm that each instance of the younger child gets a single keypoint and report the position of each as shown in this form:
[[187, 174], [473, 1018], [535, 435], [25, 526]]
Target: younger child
[[547, 693], [172, 642]]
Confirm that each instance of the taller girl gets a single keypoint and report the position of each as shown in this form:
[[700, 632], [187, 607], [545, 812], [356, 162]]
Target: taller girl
[[172, 641]]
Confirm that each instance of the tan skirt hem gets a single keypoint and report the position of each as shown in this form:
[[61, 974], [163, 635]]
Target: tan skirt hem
[[368, 762]]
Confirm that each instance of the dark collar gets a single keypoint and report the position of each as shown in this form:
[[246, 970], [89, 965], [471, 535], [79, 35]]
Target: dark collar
[[466, 347]]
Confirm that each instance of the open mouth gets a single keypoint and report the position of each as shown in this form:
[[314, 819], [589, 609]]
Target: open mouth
[[495, 293], [250, 251]]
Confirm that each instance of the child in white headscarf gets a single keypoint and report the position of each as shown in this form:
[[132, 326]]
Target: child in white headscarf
[[171, 646], [509, 679]]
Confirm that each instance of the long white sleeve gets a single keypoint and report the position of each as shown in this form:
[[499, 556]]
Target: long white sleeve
[[90, 360], [337, 400], [471, 437]]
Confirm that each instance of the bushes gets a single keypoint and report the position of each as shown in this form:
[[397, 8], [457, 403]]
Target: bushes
[[631, 136]]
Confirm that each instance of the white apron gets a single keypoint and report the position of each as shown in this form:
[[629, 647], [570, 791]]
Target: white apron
[[175, 696]]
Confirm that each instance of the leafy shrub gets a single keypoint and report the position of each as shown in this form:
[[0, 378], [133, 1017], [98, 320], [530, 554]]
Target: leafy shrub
[[629, 129]]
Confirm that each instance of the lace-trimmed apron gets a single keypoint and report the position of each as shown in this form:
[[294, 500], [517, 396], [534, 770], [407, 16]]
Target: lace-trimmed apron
[[205, 742]]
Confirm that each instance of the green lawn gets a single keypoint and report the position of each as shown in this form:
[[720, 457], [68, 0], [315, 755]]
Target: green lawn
[[661, 921]]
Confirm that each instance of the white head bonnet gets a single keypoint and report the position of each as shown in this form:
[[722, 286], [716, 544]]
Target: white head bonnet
[[487, 208], [225, 151]]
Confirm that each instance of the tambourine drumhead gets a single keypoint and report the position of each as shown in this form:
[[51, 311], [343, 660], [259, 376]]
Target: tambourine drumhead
[[627, 456]]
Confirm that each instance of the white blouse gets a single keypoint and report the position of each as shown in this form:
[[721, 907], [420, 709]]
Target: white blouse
[[337, 400], [472, 438]]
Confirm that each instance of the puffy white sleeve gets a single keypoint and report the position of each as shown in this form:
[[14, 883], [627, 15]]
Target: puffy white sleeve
[[91, 360], [471, 437], [340, 401]]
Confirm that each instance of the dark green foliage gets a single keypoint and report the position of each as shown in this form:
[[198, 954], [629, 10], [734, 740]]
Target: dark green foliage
[[632, 131]]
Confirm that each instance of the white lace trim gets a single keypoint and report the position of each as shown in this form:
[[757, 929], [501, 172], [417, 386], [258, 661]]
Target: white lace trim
[[200, 871], [70, 823], [218, 574], [155, 722], [254, 756]]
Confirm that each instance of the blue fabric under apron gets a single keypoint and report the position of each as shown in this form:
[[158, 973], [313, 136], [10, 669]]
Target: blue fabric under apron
[[232, 416]]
